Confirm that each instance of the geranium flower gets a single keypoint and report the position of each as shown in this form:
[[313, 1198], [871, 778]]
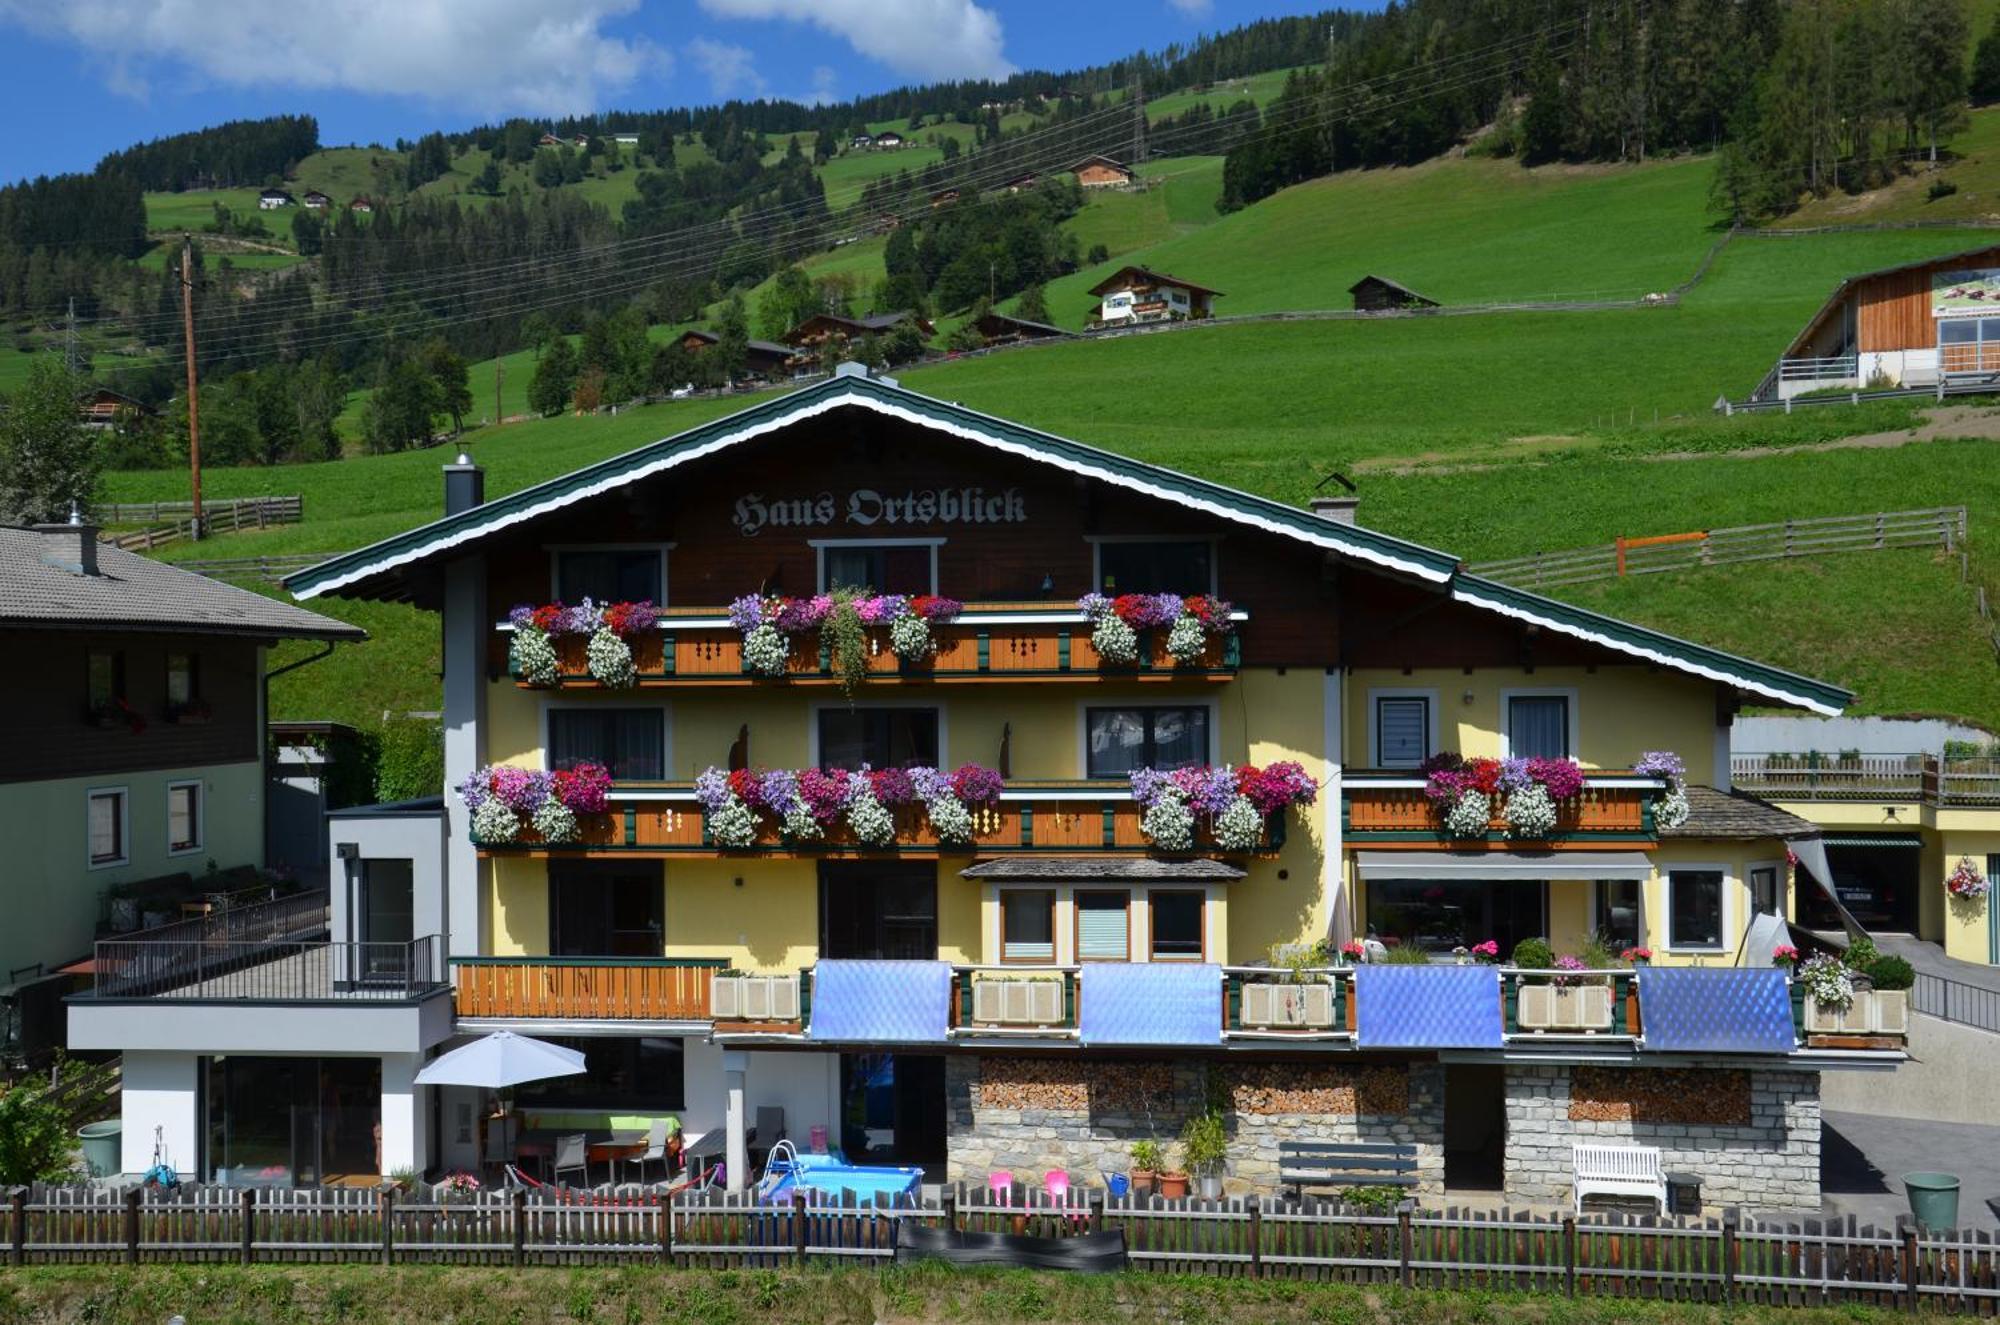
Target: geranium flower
[[747, 786], [629, 619], [977, 785], [824, 793], [547, 618], [584, 788], [892, 786]]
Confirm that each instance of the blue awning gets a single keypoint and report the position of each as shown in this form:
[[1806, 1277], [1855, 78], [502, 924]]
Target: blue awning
[[1715, 1011], [1149, 1003], [1428, 1007], [880, 1002]]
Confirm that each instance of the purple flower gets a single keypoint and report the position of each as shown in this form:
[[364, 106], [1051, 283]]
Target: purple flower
[[522, 616], [1093, 605], [779, 788], [1164, 609], [747, 613], [475, 787], [1514, 774], [977, 785], [824, 794], [934, 608], [712, 788], [929, 783], [1214, 789], [1661, 764], [583, 619], [1146, 785], [521, 790], [892, 786], [1561, 778], [880, 609]]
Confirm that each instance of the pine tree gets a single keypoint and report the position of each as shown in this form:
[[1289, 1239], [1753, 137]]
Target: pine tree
[[554, 380]]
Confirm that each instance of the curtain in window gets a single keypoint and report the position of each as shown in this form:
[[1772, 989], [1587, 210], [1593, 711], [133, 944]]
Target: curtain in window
[[629, 742], [1538, 726]]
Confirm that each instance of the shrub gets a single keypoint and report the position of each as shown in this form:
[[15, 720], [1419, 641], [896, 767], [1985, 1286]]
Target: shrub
[[409, 760], [1406, 954], [1890, 972], [1534, 955], [1204, 1143], [1146, 1156], [1376, 1199], [1940, 188]]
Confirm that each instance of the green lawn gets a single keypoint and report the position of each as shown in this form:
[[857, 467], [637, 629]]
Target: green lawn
[[1124, 222], [1261, 88], [194, 211]]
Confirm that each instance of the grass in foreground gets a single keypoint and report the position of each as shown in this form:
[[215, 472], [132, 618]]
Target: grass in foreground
[[362, 1295]]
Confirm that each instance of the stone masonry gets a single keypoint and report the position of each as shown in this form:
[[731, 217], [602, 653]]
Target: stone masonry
[[1769, 1158]]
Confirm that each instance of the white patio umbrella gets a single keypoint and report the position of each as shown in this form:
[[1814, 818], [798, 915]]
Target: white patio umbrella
[[501, 1059]]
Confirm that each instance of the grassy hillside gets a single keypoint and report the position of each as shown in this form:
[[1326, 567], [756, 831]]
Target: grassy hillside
[[1971, 167]]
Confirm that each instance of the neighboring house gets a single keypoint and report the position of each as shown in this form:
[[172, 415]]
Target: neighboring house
[[944, 198], [1101, 172], [270, 200], [1379, 294], [766, 359], [1021, 183], [625, 139], [1035, 942], [808, 336], [550, 140], [101, 407], [889, 139], [1139, 294], [361, 206], [134, 763], [862, 140], [317, 201], [1000, 328]]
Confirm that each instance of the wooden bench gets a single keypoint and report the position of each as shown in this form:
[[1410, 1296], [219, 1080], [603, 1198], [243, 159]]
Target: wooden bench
[[1619, 1171], [1303, 1164]]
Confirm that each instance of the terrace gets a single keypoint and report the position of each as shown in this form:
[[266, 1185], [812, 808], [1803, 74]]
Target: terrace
[[1388, 808], [1927, 779]]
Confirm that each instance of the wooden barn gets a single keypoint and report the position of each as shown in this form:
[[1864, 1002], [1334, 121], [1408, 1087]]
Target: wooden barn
[[1001, 329], [1913, 325], [1140, 294], [1101, 172], [765, 358], [1379, 294], [807, 337], [101, 407]]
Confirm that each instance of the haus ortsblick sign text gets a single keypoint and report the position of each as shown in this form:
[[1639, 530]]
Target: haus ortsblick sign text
[[867, 508]]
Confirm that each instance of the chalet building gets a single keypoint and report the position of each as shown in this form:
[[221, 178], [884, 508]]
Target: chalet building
[[765, 359], [944, 198], [550, 140], [101, 407], [1022, 183], [862, 140], [271, 200], [1101, 172], [361, 206], [1002, 329], [1915, 325], [807, 338], [889, 139], [912, 897], [317, 201], [1379, 294], [1133, 295], [133, 779]]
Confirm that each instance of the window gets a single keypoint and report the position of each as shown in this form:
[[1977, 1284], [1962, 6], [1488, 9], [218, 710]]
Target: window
[[183, 817], [1694, 909], [1177, 926], [1618, 913], [1027, 925], [877, 737], [183, 678], [610, 575], [106, 677], [632, 743], [1103, 927], [1438, 915], [606, 909], [1122, 739], [636, 1073], [1185, 566], [883, 567], [1402, 730], [1764, 889], [107, 827], [1538, 726], [1968, 344]]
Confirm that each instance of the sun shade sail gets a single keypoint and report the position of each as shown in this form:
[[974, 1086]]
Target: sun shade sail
[[1427, 1007], [1150, 1003], [1715, 1011], [1505, 865], [888, 1002]]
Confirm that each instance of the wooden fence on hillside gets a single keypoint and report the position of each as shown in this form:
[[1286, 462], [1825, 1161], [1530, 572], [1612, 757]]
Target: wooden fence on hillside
[[1942, 527], [1807, 1263], [168, 521]]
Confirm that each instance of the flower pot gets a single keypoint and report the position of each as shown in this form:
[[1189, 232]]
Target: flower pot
[[1143, 1181], [1211, 1185], [1173, 1185]]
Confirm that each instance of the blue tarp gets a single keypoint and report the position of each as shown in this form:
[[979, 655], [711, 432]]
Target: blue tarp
[[881, 1002], [1149, 1003], [1428, 1007], [1716, 1011]]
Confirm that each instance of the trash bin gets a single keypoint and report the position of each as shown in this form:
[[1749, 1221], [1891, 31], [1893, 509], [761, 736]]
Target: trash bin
[[1683, 1194], [1933, 1198], [101, 1147]]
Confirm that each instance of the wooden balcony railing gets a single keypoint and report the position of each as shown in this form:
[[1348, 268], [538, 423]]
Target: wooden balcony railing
[[987, 642], [1926, 778], [1059, 818], [1389, 810], [585, 988]]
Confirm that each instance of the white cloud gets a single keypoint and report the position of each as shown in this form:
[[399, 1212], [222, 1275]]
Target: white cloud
[[1193, 8], [730, 69], [545, 57], [929, 39], [825, 87]]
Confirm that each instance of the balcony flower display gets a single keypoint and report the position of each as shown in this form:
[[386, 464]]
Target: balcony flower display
[[910, 628], [609, 653], [806, 802], [1828, 981], [767, 646], [1673, 809], [1966, 882], [1115, 623], [1236, 802], [771, 624], [503, 798], [1785, 955], [1529, 793], [610, 627]]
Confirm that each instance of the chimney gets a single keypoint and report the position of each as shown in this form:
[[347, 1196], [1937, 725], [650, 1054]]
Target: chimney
[[464, 485], [1340, 510], [71, 546]]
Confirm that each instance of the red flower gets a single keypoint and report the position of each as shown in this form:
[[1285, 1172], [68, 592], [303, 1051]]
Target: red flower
[[1132, 608], [1483, 775], [546, 616], [746, 786]]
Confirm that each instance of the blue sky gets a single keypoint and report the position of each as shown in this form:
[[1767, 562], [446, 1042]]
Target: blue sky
[[83, 77]]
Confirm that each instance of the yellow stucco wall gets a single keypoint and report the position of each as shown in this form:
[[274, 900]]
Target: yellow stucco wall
[[1965, 923]]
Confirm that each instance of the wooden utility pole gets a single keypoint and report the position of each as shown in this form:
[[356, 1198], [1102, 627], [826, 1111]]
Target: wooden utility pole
[[193, 390]]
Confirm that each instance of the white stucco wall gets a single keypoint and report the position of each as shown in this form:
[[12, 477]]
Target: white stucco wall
[[158, 1091]]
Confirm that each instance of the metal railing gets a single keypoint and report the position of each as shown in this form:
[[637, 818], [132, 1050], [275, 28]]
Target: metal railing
[[221, 971], [1956, 1001], [236, 918], [1836, 368], [1812, 776]]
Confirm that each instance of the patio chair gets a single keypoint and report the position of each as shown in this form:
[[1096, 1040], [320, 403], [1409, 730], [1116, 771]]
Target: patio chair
[[656, 1149], [770, 1130], [1000, 1187], [572, 1156]]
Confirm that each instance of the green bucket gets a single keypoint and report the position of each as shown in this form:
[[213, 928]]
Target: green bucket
[[1933, 1199], [101, 1146]]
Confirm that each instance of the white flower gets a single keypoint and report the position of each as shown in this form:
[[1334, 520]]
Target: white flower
[[733, 824], [1469, 816], [1672, 810], [494, 822], [766, 651], [534, 657], [799, 825], [1168, 822], [611, 659], [951, 820], [1239, 827], [1115, 642], [1187, 640], [1530, 813], [556, 822], [1828, 980], [910, 638], [871, 821]]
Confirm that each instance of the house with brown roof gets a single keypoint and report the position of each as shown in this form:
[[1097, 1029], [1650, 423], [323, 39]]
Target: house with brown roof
[[1134, 294], [1101, 172]]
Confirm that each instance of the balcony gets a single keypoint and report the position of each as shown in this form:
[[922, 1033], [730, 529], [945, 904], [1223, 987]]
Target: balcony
[[1057, 818], [1919, 778], [262, 971], [986, 642], [584, 988], [1388, 809]]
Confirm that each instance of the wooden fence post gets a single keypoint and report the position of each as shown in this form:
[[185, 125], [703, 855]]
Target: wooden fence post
[[17, 1207], [1729, 1218], [799, 1224], [1403, 1244], [246, 1250], [387, 1212], [133, 1195], [950, 1201], [1256, 1237], [520, 1227], [1910, 1268], [1569, 1255], [667, 1229]]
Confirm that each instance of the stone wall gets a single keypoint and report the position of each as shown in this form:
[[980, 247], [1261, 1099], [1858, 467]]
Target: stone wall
[[1030, 1115], [1750, 1136]]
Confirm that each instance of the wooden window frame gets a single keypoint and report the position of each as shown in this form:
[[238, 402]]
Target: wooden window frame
[[193, 657], [124, 856], [556, 551], [1076, 922], [664, 707], [1153, 929], [820, 546], [1054, 950], [1214, 541], [199, 817]]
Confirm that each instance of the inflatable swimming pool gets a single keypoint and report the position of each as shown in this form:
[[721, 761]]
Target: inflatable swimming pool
[[831, 1174]]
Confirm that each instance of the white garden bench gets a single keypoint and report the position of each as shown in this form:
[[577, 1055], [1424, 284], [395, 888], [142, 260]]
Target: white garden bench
[[1620, 1171]]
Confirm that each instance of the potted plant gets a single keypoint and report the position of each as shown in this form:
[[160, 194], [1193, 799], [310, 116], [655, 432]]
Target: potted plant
[[1145, 1170], [1637, 958], [1204, 1147], [1173, 1183], [457, 1187], [124, 909]]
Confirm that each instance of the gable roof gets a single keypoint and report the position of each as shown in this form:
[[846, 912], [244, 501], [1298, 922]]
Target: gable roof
[[377, 570], [708, 337], [1114, 280], [1396, 286], [995, 323], [1098, 159], [1842, 290]]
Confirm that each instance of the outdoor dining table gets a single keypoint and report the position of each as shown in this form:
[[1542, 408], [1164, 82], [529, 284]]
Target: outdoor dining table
[[607, 1148]]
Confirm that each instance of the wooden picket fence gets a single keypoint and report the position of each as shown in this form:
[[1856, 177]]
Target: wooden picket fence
[[1811, 1262]]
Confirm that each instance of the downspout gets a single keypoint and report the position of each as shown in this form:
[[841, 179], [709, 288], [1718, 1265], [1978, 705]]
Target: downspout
[[326, 651]]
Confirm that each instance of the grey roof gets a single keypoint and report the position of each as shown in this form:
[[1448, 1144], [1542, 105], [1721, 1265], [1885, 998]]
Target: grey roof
[[1737, 816], [131, 592], [420, 807], [761, 346], [1137, 868]]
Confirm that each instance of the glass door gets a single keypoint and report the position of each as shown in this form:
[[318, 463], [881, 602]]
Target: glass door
[[878, 910], [388, 919]]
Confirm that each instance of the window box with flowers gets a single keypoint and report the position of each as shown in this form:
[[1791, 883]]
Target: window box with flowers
[[1163, 629], [875, 809], [1836, 1003], [528, 807], [610, 643], [1570, 1001], [1524, 799], [114, 714], [1238, 809], [854, 634]]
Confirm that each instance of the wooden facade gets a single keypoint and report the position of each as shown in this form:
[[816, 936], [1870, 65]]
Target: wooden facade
[[599, 989], [1101, 172]]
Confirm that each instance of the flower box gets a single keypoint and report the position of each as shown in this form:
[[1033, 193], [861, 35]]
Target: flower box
[[754, 997], [1578, 1008], [1017, 1001], [1271, 1005], [1873, 1012]]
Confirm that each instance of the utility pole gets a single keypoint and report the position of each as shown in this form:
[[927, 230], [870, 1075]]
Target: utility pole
[[193, 390]]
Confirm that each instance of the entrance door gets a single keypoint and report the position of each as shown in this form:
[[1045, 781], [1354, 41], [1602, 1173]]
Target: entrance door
[[1475, 1126], [881, 910], [281, 1122], [892, 1108], [388, 918], [606, 908]]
